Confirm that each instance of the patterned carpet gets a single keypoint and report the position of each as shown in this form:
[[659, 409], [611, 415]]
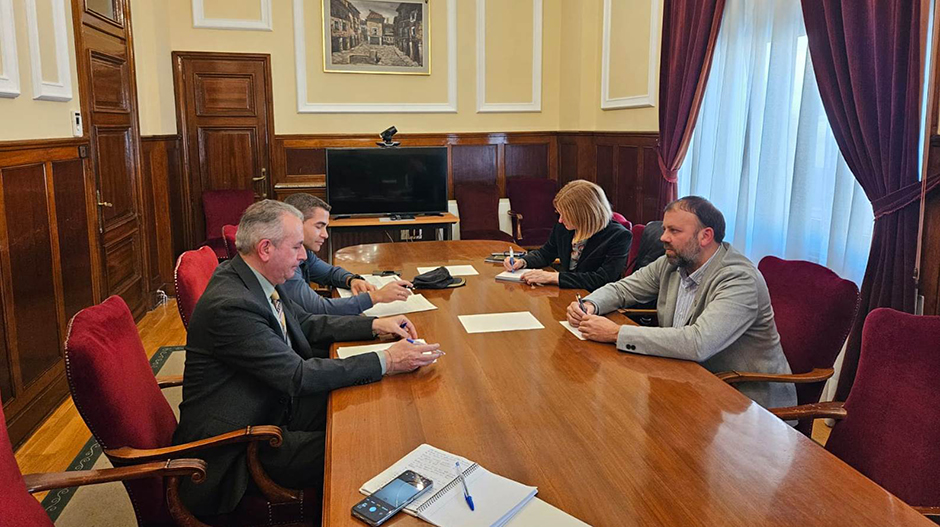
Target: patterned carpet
[[108, 504]]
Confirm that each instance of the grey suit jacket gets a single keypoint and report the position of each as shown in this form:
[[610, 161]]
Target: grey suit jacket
[[241, 372], [730, 327]]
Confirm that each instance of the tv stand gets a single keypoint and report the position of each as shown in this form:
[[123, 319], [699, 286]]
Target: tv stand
[[351, 231], [341, 217], [434, 214], [399, 217]]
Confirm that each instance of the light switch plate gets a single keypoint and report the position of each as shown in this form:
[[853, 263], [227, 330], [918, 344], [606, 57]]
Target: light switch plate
[[76, 116]]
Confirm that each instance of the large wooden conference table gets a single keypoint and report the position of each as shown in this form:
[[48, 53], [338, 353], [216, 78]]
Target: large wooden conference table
[[609, 437]]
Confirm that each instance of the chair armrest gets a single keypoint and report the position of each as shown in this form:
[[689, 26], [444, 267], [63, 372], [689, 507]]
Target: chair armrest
[[195, 469], [816, 375], [827, 410], [169, 381], [630, 311], [125, 454]]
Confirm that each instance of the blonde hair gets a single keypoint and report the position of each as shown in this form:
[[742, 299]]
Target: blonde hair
[[585, 205]]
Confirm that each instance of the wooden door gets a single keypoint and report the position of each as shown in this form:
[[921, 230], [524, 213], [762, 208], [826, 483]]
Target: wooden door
[[104, 45], [223, 105]]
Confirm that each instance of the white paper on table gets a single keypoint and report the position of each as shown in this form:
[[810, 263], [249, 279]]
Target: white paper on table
[[413, 304], [538, 513], [511, 276], [454, 270], [574, 331], [378, 281], [493, 322], [345, 352]]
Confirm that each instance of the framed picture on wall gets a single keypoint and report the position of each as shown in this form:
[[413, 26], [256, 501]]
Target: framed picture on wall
[[369, 36]]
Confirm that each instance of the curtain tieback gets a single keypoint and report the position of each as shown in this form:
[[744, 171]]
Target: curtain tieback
[[669, 175], [900, 198]]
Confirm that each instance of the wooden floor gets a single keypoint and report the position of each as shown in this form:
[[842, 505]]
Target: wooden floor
[[56, 442]]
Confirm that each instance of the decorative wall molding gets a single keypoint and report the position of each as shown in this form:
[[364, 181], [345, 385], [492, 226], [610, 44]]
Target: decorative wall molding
[[43, 90], [10, 72], [300, 63], [647, 99], [536, 104], [201, 22]]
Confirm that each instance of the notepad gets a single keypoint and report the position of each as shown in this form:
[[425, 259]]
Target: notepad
[[378, 281], [493, 322], [454, 270], [344, 352], [496, 499], [574, 331], [511, 276], [539, 513], [413, 304]]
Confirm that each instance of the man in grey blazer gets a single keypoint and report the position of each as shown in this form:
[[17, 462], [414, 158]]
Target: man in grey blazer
[[253, 357], [712, 304]]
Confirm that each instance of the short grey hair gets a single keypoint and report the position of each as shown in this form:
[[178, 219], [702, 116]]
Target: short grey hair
[[262, 221], [307, 204]]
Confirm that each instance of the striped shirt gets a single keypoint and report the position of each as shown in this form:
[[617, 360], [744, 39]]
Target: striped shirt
[[688, 288]]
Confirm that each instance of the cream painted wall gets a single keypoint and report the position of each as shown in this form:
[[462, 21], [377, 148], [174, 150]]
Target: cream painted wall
[[571, 59], [22, 117]]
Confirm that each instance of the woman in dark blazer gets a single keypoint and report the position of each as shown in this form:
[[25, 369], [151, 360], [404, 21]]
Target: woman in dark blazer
[[593, 248]]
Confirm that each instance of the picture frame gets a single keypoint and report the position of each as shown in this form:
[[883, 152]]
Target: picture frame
[[376, 36]]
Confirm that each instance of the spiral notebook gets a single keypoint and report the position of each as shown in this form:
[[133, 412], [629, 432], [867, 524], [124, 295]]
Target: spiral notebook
[[496, 499]]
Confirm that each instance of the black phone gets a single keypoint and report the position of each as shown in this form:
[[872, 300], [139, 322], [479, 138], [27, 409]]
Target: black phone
[[393, 497], [379, 272]]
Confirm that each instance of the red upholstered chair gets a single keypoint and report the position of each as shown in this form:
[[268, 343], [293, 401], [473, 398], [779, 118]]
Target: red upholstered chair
[[619, 218], [228, 236], [813, 309], [192, 274], [889, 427], [634, 248], [223, 207], [19, 508], [533, 215], [478, 208], [115, 392]]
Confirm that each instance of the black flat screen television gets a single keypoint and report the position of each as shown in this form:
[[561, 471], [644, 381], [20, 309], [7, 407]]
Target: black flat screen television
[[361, 181]]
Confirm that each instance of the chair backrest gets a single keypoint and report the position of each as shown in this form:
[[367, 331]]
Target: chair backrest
[[478, 207], [650, 247], [637, 230], [619, 218], [17, 506], [892, 431], [228, 235], [224, 207], [532, 197], [192, 274], [114, 390], [814, 310]]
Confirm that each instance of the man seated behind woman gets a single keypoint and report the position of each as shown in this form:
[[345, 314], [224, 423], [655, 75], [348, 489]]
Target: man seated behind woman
[[593, 248]]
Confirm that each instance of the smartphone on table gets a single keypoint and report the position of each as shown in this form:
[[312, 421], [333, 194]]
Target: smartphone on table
[[393, 497]]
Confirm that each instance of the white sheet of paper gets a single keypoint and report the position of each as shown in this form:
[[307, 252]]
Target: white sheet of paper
[[454, 270], [349, 351], [537, 513], [493, 322], [511, 276], [378, 281], [413, 304], [574, 331]]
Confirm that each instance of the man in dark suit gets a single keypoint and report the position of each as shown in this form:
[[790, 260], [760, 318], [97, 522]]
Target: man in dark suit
[[253, 357]]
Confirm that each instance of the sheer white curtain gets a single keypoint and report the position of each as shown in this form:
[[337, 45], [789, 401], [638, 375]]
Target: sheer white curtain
[[763, 151]]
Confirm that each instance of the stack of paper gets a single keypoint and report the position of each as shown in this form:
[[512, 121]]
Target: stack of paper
[[496, 499], [511, 276], [493, 322], [413, 304], [574, 331], [378, 281]]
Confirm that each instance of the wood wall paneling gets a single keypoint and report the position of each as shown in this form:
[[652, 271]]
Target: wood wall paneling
[[474, 164], [527, 160], [48, 271]]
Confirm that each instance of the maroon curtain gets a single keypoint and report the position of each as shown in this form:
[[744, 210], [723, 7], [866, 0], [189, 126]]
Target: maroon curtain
[[867, 59], [690, 29]]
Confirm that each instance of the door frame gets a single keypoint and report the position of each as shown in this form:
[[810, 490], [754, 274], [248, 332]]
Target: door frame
[[190, 237]]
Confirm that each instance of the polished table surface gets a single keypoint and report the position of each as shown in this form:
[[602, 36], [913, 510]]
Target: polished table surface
[[609, 437]]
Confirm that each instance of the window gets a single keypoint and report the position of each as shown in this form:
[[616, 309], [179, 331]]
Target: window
[[763, 151]]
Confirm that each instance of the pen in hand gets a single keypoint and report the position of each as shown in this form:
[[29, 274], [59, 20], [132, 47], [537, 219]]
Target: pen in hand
[[466, 491], [580, 303], [512, 261]]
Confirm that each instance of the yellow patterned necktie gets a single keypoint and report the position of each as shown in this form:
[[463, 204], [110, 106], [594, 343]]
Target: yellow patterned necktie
[[276, 300]]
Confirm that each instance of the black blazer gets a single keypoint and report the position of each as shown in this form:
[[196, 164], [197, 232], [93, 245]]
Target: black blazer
[[241, 372], [603, 259]]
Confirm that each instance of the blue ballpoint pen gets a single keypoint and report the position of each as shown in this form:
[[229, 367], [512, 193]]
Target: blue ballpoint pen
[[512, 261], [466, 491]]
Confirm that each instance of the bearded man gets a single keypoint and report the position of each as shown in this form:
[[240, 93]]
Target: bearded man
[[711, 301]]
